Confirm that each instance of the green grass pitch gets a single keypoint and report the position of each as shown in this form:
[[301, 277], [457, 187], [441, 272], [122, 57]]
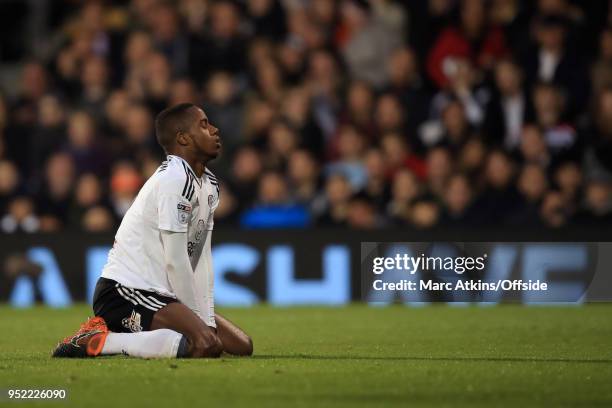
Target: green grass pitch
[[351, 356]]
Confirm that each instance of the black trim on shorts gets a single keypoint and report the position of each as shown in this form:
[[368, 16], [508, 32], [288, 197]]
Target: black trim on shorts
[[126, 309]]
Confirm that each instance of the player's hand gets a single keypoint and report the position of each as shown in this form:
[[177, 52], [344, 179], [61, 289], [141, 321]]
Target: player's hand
[[206, 343]]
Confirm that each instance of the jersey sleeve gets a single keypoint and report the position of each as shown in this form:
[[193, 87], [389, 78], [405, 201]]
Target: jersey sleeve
[[173, 208]]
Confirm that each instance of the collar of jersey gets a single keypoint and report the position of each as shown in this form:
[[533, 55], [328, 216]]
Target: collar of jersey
[[187, 166]]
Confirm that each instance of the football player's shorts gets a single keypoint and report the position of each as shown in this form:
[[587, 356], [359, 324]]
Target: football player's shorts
[[126, 310]]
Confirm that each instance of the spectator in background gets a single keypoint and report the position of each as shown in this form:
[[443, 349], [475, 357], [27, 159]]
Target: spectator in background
[[49, 135], [98, 219], [509, 108], [20, 217], [377, 187], [599, 134], [322, 82], [453, 130], [303, 172], [225, 108], [406, 84], [268, 81], [139, 136], [551, 61], [532, 187], [425, 213], [568, 179], [223, 47], [597, 208], [549, 105], [398, 154], [168, 37], [124, 185], [88, 194], [553, 212], [350, 150], [325, 13], [157, 80], [115, 118], [9, 184], [533, 147], [388, 115], [282, 141], [359, 106], [94, 86], [291, 55], [365, 42], [34, 83], [361, 213], [332, 212], [471, 158], [183, 90], [83, 147], [467, 87], [302, 28], [472, 39], [138, 49], [499, 197], [246, 168], [274, 208], [439, 169], [458, 202], [55, 195], [296, 111], [267, 18], [405, 188], [260, 115], [601, 72]]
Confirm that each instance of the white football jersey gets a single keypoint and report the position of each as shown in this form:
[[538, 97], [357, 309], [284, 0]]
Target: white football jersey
[[172, 199]]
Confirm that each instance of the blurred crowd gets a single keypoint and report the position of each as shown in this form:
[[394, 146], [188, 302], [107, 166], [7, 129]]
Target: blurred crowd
[[366, 114]]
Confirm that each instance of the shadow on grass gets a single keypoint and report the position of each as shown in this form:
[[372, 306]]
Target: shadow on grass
[[417, 358]]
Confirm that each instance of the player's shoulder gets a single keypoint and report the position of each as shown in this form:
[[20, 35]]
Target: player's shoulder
[[173, 177], [211, 177]]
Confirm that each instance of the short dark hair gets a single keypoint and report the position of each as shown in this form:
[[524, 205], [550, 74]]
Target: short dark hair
[[170, 121]]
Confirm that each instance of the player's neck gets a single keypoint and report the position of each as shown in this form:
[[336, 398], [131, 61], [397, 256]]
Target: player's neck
[[197, 166]]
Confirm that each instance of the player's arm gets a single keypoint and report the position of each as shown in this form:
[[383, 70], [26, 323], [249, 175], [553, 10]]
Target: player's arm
[[178, 268], [174, 212], [234, 340], [201, 273]]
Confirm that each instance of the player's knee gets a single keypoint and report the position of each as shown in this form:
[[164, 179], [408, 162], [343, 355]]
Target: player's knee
[[249, 346], [246, 348]]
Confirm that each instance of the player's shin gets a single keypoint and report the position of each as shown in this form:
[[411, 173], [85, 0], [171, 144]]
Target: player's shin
[[162, 343]]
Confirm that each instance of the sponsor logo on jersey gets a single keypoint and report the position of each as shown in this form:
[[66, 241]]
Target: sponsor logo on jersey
[[200, 230]]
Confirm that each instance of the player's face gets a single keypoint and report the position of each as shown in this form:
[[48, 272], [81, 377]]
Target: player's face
[[206, 140]]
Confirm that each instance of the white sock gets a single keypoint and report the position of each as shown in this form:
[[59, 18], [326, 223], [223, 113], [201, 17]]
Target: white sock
[[162, 343]]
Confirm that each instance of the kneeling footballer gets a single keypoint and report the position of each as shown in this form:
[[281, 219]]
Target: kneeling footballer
[[155, 296]]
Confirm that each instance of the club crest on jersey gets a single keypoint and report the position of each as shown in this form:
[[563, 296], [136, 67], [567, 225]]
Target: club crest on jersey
[[184, 210], [132, 323]]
